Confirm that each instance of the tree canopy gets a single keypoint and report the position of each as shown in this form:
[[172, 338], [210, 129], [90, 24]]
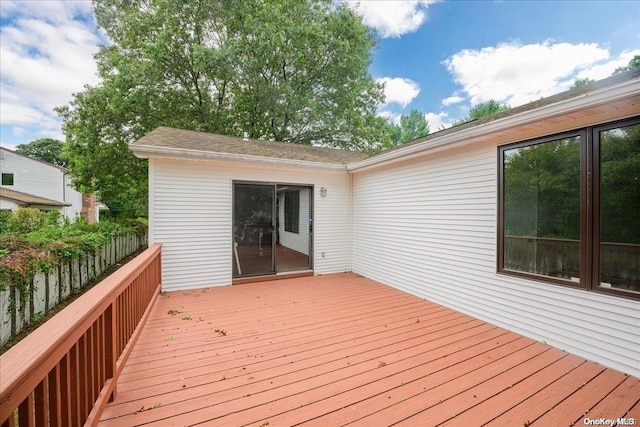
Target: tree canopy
[[634, 64], [483, 109], [290, 71], [486, 109], [411, 126], [581, 82], [46, 149]]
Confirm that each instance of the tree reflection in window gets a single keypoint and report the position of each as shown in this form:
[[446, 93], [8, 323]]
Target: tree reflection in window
[[570, 208], [542, 208], [619, 192]]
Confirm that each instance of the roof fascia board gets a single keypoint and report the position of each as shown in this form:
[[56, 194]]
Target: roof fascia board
[[145, 152], [11, 199], [19, 197], [584, 101], [41, 202]]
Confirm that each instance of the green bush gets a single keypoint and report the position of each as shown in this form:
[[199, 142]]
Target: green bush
[[25, 220], [54, 218], [33, 241], [4, 216]]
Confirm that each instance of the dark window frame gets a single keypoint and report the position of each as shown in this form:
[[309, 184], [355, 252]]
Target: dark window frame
[[589, 209], [9, 177], [292, 212]]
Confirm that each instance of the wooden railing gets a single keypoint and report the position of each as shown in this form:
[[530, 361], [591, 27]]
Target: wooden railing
[[619, 262], [65, 372]]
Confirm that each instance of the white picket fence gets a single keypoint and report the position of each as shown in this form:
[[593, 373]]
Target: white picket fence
[[47, 290]]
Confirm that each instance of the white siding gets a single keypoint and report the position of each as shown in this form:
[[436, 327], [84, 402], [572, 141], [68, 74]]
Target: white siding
[[429, 227], [41, 179], [297, 241], [190, 214], [75, 198], [6, 205], [33, 177]]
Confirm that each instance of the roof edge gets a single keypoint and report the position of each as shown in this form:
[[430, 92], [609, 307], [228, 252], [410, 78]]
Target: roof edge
[[146, 152], [37, 200], [586, 100]]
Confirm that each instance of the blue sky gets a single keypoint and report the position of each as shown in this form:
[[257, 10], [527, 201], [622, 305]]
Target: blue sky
[[438, 57]]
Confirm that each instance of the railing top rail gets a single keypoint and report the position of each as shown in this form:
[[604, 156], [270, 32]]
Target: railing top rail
[[23, 366], [630, 246]]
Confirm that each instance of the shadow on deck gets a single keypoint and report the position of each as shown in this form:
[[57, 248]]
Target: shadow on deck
[[339, 349]]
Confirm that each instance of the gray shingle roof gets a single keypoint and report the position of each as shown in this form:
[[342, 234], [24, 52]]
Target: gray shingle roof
[[171, 138]]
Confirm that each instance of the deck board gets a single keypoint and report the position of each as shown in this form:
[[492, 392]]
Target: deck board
[[342, 349]]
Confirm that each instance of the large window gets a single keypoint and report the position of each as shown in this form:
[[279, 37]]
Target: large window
[[569, 208], [292, 211]]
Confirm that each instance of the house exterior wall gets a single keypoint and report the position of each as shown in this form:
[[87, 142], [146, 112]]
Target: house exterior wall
[[41, 179], [6, 205], [190, 211], [429, 227], [75, 198], [296, 241]]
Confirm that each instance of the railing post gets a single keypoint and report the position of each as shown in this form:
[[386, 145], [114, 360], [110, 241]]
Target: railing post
[[111, 347], [25, 412], [41, 405], [55, 404]]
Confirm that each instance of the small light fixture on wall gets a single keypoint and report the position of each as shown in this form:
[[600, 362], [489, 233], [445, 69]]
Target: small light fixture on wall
[[323, 192]]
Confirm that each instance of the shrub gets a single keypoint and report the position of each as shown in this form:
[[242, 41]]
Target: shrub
[[4, 216], [35, 242], [54, 218], [25, 220]]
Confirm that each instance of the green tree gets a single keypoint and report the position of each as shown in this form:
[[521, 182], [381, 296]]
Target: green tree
[[47, 149], [411, 126], [581, 82], [289, 70], [483, 109], [486, 109], [634, 64]]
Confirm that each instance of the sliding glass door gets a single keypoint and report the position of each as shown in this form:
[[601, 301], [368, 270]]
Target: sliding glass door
[[253, 229]]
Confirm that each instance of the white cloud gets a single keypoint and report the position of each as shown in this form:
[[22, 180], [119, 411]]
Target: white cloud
[[515, 74], [47, 53], [601, 71], [438, 121], [399, 90], [455, 99], [392, 18], [392, 117], [17, 131]]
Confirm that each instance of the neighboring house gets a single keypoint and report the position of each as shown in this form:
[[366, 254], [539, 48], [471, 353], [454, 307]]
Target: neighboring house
[[527, 219], [30, 182]]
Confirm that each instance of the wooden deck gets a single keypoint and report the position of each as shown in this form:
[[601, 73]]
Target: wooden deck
[[342, 349], [254, 261]]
